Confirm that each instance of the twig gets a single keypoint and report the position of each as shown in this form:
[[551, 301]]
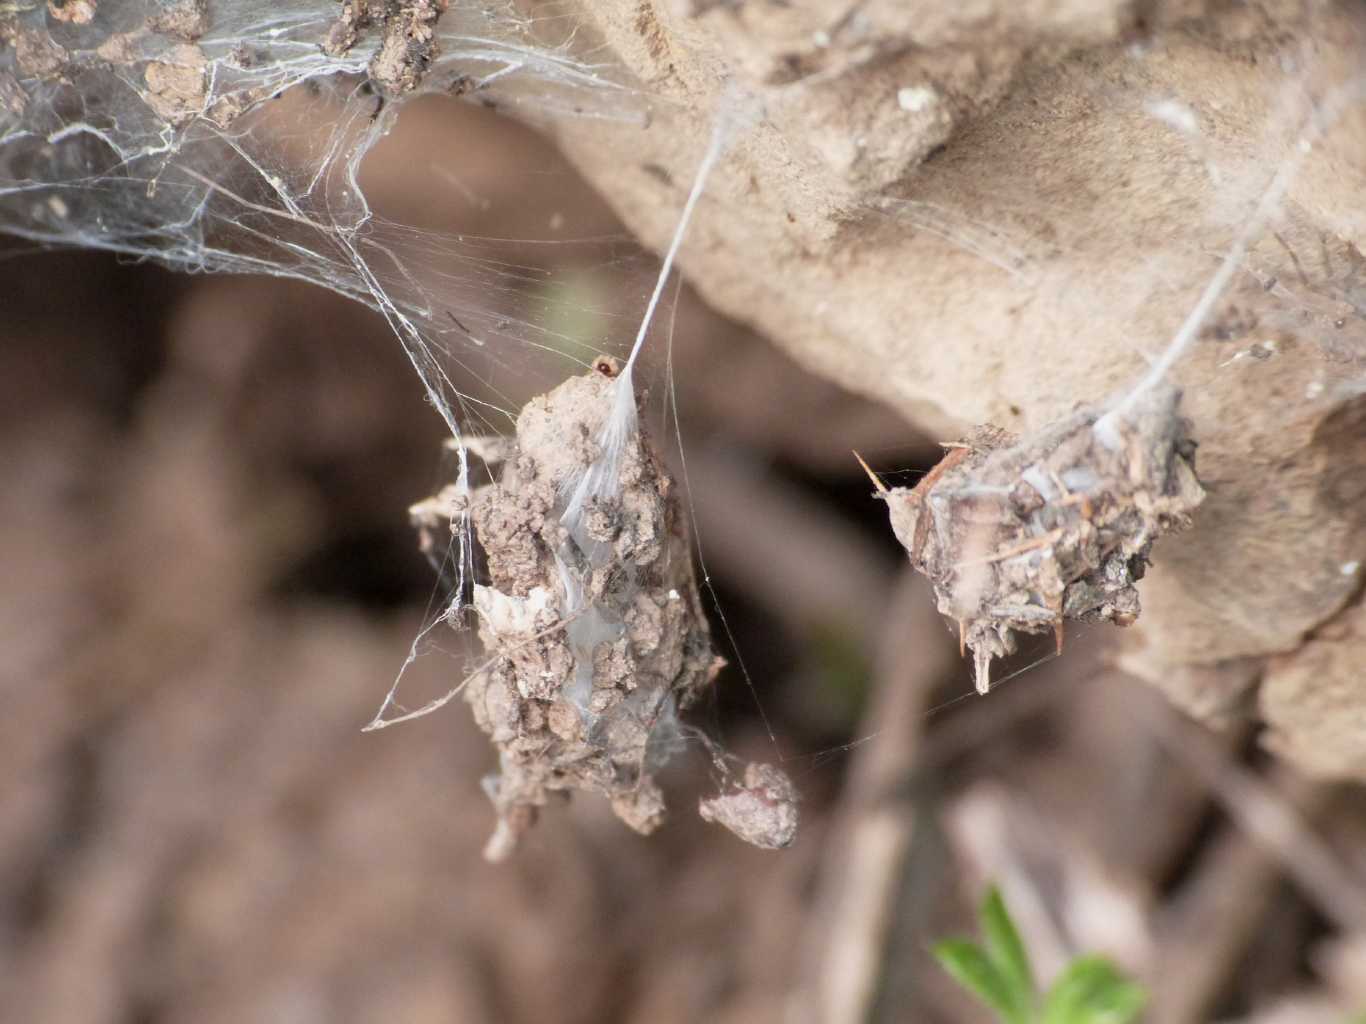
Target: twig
[[881, 487], [864, 862], [1278, 817], [1218, 910], [1023, 548], [1206, 930]]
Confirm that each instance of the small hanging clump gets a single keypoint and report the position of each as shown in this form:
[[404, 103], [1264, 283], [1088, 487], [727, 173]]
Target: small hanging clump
[[760, 807], [590, 612], [1019, 535]]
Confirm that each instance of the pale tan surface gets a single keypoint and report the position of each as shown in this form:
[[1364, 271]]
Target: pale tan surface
[[1105, 223]]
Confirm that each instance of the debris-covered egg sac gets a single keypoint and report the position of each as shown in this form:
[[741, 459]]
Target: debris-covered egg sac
[[1019, 535], [588, 610]]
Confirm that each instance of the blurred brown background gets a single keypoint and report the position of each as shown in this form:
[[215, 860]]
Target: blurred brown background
[[209, 583]]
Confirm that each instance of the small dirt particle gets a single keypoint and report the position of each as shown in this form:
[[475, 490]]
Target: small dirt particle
[[35, 54], [77, 12], [13, 99], [761, 808], [183, 19], [345, 31], [176, 87], [407, 45]]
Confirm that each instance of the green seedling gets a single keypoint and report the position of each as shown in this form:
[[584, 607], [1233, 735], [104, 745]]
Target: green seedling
[[996, 970]]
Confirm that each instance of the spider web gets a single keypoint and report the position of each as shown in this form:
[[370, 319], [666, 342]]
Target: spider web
[[201, 149], [155, 131]]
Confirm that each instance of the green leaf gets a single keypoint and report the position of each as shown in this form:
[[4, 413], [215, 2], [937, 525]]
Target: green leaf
[[1004, 947], [974, 970], [1092, 991], [1120, 1005]]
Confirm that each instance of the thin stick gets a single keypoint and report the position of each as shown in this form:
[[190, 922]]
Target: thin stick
[[1271, 819], [853, 938], [1023, 548], [871, 475]]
